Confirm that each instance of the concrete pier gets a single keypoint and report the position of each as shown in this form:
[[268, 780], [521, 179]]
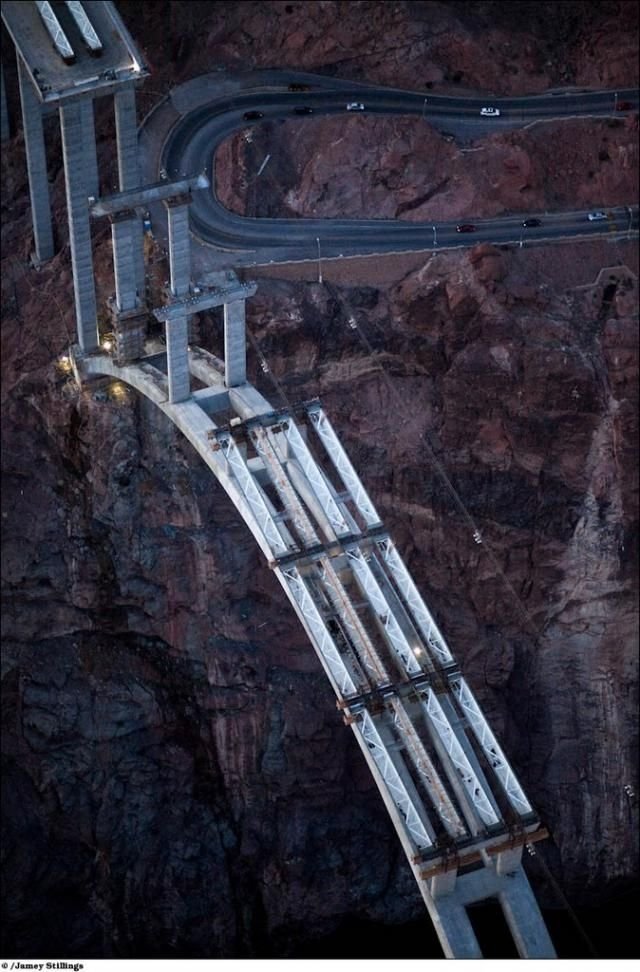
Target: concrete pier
[[127, 138], [129, 170], [178, 359], [179, 245], [91, 176], [36, 166], [235, 344], [79, 229], [123, 227]]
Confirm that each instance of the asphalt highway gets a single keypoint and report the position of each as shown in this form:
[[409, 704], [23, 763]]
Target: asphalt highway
[[191, 145]]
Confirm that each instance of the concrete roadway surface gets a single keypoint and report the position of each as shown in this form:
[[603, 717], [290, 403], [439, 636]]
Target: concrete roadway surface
[[191, 144]]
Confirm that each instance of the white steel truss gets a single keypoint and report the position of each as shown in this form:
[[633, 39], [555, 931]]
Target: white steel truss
[[428, 773], [490, 746], [57, 34], [85, 26], [317, 481], [280, 480], [314, 623], [352, 622], [458, 758], [342, 463], [419, 610], [393, 781], [252, 494], [380, 605]]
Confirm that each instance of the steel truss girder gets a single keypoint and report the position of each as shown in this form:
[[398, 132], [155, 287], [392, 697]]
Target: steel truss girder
[[314, 475], [458, 757], [341, 602], [342, 463], [411, 595], [427, 771], [280, 480], [490, 746], [339, 673], [253, 494], [380, 605], [398, 791], [54, 29]]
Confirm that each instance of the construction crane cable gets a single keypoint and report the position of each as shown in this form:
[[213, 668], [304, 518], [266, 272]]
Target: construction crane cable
[[562, 898], [438, 467]]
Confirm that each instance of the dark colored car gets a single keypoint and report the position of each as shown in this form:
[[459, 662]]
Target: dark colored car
[[465, 228], [299, 87], [532, 222], [623, 106], [303, 110], [252, 115]]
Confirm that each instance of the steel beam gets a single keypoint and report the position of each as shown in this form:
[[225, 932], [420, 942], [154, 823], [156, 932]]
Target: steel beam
[[453, 756], [331, 659], [343, 465], [314, 476], [253, 495], [490, 746], [373, 592], [413, 600]]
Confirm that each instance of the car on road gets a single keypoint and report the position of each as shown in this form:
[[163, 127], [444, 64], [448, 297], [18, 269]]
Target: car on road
[[465, 228], [355, 106], [532, 222], [623, 106], [592, 217], [253, 115], [303, 110], [295, 86], [490, 112]]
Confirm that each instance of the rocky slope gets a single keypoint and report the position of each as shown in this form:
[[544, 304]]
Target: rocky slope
[[177, 780]]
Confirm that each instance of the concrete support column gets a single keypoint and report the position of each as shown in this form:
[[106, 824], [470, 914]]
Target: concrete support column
[[91, 176], [123, 226], [79, 226], [235, 344], [179, 245], [127, 138], [5, 127], [454, 930], [129, 169], [36, 166], [178, 359], [524, 918]]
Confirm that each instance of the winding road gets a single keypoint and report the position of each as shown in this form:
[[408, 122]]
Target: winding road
[[190, 147]]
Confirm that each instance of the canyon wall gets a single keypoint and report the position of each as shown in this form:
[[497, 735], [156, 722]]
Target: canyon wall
[[177, 780]]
